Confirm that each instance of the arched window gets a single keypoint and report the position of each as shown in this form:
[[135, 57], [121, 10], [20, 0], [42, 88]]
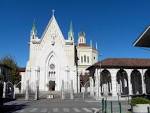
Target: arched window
[[147, 81], [81, 59], [105, 81], [136, 81], [84, 58], [122, 80]]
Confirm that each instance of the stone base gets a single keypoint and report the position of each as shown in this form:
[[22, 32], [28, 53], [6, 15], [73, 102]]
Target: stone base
[[114, 98], [141, 108]]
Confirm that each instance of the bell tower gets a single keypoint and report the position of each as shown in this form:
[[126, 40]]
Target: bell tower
[[81, 39]]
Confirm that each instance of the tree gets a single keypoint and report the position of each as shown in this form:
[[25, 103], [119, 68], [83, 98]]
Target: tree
[[14, 70]]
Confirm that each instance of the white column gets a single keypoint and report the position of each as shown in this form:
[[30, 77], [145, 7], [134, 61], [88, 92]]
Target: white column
[[67, 73], [71, 91], [114, 81], [91, 86], [27, 85], [37, 83], [78, 77], [62, 90], [96, 83], [143, 83], [99, 89], [4, 90], [27, 90], [129, 71]]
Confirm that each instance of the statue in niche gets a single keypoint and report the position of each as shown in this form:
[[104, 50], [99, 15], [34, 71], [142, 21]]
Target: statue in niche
[[53, 36]]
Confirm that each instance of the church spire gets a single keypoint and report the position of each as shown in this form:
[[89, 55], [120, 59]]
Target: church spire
[[91, 44], [53, 12], [71, 27], [33, 31], [71, 33], [96, 45]]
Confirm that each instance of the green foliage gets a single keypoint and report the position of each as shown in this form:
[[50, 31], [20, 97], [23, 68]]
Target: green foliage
[[139, 100], [14, 73]]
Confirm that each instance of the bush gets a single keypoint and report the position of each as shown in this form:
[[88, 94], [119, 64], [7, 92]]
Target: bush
[[139, 100]]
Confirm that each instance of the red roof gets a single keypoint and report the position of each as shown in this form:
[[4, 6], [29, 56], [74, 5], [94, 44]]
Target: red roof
[[122, 63]]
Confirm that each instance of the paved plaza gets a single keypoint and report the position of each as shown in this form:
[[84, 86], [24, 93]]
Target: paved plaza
[[51, 106], [77, 105]]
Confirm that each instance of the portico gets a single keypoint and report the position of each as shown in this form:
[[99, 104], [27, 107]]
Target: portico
[[122, 77]]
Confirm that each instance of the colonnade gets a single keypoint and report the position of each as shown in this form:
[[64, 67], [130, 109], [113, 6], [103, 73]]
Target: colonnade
[[124, 82]]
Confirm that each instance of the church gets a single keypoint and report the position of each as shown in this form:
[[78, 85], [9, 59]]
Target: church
[[56, 62]]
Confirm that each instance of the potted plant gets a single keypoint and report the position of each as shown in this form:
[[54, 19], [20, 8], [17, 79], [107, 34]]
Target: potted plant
[[140, 105]]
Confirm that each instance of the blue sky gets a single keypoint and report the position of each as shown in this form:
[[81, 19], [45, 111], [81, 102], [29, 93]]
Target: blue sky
[[113, 24]]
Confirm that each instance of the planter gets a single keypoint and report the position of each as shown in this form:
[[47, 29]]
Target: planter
[[141, 108]]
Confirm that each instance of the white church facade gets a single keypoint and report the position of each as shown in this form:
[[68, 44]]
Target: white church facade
[[55, 61]]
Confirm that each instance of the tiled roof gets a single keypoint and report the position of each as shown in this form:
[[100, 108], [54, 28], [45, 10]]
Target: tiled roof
[[122, 63]]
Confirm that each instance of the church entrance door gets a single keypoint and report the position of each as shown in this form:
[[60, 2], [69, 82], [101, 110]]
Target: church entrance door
[[51, 85]]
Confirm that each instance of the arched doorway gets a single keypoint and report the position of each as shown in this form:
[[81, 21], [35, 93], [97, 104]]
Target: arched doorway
[[51, 73], [122, 80], [147, 81], [136, 82], [105, 82]]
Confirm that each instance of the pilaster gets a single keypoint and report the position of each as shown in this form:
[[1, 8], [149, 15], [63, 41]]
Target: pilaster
[[114, 81], [99, 89], [91, 87], [143, 83], [96, 82], [129, 71]]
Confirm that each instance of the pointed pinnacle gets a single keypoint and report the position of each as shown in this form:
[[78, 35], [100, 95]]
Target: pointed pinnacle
[[71, 27]]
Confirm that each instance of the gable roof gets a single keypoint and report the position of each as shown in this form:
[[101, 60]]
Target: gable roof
[[144, 39], [51, 21], [122, 63]]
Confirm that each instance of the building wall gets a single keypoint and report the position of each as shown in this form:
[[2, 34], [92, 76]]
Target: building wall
[[88, 53]]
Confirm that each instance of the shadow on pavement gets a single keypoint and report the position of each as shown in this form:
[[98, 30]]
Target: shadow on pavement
[[11, 108]]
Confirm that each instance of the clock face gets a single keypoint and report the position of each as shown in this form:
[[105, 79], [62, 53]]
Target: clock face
[[52, 66]]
